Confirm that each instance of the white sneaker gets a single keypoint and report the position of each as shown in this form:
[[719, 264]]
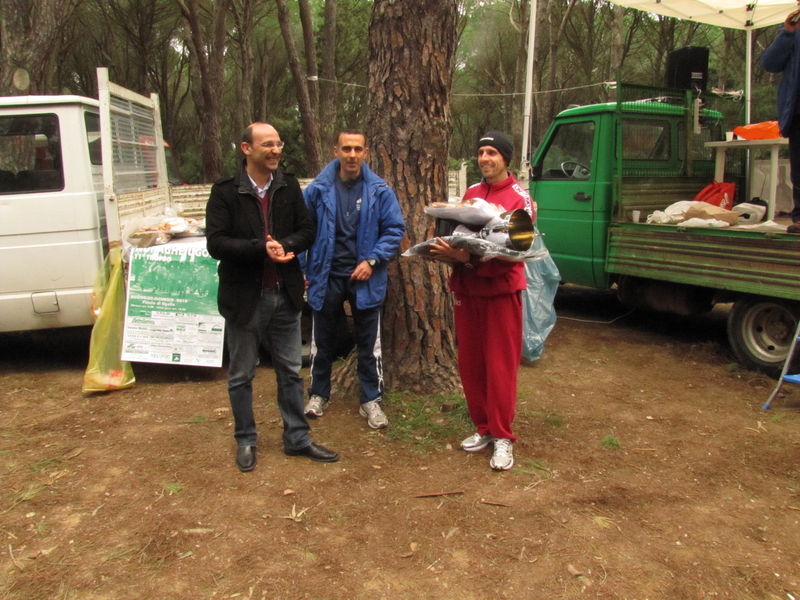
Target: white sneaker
[[503, 457], [316, 406], [375, 417], [476, 442]]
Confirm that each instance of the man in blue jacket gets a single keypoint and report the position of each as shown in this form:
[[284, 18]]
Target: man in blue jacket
[[359, 228], [783, 55]]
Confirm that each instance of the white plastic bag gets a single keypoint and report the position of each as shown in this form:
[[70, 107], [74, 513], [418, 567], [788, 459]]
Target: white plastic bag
[[749, 213], [674, 213], [477, 213]]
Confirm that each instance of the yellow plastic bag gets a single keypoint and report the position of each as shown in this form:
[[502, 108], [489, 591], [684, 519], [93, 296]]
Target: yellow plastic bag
[[106, 371]]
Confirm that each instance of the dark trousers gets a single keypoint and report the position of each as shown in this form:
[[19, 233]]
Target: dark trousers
[[794, 163], [277, 319], [325, 335]]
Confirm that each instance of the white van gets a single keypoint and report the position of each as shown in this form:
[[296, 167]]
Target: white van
[[74, 172], [52, 231]]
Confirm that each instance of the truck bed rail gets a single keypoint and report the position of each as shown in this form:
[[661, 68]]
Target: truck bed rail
[[749, 262], [648, 194]]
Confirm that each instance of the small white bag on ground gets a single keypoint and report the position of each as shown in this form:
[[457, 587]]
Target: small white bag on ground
[[750, 213]]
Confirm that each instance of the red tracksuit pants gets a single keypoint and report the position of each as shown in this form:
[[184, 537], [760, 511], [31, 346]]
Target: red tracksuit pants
[[489, 333]]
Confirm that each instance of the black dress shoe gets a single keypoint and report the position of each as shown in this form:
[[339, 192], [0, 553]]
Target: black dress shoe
[[246, 458], [314, 452]]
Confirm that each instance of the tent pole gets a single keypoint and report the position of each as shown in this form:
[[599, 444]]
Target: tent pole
[[525, 163], [748, 86]]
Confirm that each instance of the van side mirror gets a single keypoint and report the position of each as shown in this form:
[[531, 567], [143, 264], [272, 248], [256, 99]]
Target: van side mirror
[[536, 172]]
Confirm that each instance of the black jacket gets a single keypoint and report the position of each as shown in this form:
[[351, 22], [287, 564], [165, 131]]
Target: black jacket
[[235, 236]]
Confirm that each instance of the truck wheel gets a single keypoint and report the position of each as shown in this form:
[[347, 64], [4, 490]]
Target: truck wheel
[[760, 331]]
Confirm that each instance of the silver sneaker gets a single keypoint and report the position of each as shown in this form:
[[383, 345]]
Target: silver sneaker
[[476, 442], [503, 457], [316, 406], [375, 417]]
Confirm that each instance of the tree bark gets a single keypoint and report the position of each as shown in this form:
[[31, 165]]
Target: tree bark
[[247, 18], [29, 35], [412, 46], [308, 117], [207, 43], [556, 34], [328, 86]]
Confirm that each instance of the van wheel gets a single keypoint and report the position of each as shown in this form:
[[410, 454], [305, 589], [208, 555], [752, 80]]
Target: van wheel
[[760, 332]]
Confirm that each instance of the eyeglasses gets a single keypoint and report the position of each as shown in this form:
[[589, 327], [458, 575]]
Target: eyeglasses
[[272, 145]]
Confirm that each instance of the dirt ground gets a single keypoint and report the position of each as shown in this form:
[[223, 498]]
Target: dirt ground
[[645, 469]]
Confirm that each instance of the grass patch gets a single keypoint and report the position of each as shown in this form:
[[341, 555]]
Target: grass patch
[[42, 527], [44, 464], [30, 493], [118, 554], [548, 418], [426, 421], [533, 467], [553, 420], [173, 488], [784, 417], [198, 419], [610, 442]]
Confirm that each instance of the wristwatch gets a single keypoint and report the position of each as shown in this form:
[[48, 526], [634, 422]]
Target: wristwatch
[[372, 262]]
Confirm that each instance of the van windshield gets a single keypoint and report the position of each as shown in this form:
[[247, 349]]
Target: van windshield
[[30, 154]]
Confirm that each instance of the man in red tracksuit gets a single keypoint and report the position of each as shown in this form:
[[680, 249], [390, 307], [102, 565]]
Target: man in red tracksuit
[[488, 312]]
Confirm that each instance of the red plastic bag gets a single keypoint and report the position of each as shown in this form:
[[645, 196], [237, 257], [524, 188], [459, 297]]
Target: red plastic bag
[[768, 130], [718, 193]]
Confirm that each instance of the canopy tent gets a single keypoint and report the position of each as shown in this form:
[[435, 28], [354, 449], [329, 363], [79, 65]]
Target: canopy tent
[[734, 14]]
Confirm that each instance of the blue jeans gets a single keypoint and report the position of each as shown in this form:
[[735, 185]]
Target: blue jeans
[[368, 341], [276, 318]]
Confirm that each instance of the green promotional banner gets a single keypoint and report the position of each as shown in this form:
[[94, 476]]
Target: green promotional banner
[[171, 312]]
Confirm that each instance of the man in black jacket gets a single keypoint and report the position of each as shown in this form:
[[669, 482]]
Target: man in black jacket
[[256, 224]]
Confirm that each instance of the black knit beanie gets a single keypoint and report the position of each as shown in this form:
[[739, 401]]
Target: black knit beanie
[[500, 142]]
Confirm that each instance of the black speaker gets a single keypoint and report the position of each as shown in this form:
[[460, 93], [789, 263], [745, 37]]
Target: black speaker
[[687, 68]]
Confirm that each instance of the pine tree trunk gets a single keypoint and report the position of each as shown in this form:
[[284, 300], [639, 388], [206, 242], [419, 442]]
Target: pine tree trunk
[[328, 86], [206, 39], [308, 115], [29, 34], [412, 46]]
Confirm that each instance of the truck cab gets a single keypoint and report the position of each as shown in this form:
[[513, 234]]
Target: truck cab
[[51, 210], [578, 168]]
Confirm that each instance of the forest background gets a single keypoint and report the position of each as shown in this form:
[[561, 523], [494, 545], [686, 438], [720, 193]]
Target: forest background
[[302, 65]]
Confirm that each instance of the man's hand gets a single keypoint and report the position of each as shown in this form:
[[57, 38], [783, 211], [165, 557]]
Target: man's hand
[[792, 22], [276, 252], [441, 249], [362, 272]]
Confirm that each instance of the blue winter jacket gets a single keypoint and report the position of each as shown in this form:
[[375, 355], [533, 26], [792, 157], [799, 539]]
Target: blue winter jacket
[[380, 230], [783, 55]]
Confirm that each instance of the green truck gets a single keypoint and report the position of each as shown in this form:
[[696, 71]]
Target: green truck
[[600, 166]]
